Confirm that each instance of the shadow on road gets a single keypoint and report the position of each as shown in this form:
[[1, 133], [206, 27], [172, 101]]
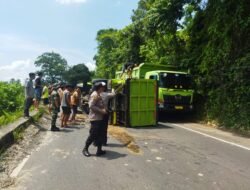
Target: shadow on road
[[74, 127], [159, 126], [113, 145], [176, 117], [111, 155], [40, 127], [66, 130]]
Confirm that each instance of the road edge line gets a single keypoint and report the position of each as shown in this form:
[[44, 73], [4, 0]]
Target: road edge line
[[18, 169], [210, 136]]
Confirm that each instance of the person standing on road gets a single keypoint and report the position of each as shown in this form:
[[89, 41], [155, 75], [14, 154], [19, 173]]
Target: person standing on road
[[75, 100], [106, 97], [45, 95], [60, 92], [29, 94], [38, 89], [66, 105], [97, 111], [55, 107]]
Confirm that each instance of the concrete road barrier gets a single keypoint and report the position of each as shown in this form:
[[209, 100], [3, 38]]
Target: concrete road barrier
[[10, 133]]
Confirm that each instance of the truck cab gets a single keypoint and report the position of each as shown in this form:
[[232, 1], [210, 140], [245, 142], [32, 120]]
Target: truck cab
[[175, 91]]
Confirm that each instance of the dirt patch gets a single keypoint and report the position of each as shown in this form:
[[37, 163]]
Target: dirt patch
[[28, 141], [238, 131], [81, 117], [134, 148], [122, 135]]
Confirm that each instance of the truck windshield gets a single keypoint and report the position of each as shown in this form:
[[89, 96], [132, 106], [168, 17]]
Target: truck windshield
[[175, 80]]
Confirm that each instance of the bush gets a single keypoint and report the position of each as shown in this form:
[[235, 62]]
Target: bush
[[11, 101]]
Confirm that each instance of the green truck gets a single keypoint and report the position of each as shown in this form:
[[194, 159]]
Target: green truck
[[175, 92], [136, 104]]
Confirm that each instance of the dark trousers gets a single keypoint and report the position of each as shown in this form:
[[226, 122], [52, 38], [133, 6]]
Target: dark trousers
[[45, 101], [105, 128], [95, 134], [54, 117], [27, 104]]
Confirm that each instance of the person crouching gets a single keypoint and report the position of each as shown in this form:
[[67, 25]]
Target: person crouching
[[96, 114]]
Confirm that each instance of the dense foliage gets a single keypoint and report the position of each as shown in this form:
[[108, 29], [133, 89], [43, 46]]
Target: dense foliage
[[77, 74], [11, 101], [53, 66], [210, 38], [55, 69]]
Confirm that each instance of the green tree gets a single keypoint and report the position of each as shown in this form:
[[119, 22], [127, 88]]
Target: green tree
[[218, 49], [77, 74], [11, 97], [53, 66], [15, 81], [130, 40], [209, 38], [164, 23], [105, 59]]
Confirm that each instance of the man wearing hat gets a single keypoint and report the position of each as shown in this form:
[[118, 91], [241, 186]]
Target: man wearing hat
[[55, 107], [96, 114]]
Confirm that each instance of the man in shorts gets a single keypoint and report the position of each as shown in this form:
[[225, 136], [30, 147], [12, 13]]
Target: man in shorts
[[45, 95], [38, 89], [75, 100], [65, 103]]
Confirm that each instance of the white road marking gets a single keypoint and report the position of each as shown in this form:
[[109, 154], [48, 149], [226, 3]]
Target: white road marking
[[158, 158], [200, 174], [212, 137], [44, 172], [17, 170], [154, 150]]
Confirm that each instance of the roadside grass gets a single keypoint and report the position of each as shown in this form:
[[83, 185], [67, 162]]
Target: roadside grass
[[41, 111], [8, 117], [18, 133]]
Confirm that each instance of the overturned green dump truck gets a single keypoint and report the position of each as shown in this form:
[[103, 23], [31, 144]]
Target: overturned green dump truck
[[175, 92], [136, 104]]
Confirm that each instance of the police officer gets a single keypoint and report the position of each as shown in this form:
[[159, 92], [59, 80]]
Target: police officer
[[55, 107], [97, 111]]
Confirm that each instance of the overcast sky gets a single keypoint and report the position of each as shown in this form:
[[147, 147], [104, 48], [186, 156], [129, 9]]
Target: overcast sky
[[29, 28]]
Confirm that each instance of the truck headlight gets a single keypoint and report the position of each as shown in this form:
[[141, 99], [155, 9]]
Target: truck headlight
[[161, 105]]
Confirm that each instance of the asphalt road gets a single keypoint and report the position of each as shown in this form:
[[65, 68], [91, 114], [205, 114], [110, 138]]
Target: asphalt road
[[174, 156]]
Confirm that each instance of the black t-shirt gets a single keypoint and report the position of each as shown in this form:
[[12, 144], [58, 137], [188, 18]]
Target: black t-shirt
[[38, 83]]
